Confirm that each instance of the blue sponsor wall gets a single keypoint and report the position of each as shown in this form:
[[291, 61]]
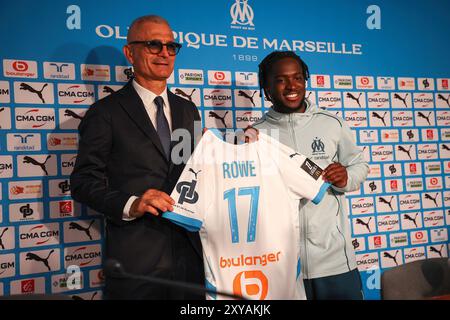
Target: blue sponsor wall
[[383, 66]]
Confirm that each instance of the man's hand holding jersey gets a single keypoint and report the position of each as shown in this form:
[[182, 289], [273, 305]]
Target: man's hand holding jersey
[[151, 201], [336, 174]]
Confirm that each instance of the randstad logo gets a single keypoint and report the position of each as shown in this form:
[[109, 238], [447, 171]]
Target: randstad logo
[[252, 284], [242, 15]]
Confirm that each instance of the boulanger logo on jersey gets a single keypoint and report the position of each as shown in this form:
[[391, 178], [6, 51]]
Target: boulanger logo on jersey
[[253, 284], [35, 118], [242, 15], [74, 94]]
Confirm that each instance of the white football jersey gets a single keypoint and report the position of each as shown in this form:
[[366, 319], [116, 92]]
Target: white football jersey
[[244, 201]]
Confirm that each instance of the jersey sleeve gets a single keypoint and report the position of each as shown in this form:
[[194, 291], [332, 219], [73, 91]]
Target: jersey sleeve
[[301, 175], [191, 193]]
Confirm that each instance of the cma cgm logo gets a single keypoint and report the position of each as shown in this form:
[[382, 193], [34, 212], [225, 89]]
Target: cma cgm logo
[[242, 15], [252, 283]]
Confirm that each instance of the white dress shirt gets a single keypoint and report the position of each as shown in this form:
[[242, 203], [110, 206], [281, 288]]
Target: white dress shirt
[[148, 98]]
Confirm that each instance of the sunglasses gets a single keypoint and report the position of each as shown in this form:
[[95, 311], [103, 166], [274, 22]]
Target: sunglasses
[[156, 46]]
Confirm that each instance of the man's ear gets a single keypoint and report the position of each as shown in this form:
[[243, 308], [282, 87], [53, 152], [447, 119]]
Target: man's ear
[[128, 53], [267, 94]]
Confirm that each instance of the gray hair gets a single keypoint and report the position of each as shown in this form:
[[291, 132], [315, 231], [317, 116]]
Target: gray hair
[[138, 21]]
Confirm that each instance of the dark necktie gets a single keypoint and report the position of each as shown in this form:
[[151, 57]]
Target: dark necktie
[[162, 126]]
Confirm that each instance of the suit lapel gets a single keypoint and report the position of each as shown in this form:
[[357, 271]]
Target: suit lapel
[[177, 119], [176, 112], [133, 105]]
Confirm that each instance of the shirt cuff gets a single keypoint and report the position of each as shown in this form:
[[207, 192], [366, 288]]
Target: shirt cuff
[[126, 209]]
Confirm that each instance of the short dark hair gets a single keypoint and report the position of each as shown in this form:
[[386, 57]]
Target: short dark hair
[[266, 65]]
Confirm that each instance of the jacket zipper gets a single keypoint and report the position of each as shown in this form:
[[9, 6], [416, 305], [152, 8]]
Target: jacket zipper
[[302, 218]]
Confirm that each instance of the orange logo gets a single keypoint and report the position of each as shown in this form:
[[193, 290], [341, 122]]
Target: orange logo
[[253, 284]]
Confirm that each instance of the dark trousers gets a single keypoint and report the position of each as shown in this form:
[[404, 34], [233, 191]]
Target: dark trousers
[[345, 286]]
